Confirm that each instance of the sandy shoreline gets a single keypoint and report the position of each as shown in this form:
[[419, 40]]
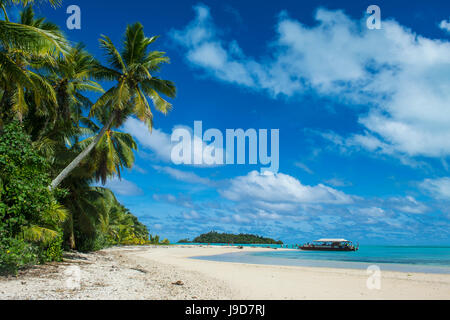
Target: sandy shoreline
[[169, 273]]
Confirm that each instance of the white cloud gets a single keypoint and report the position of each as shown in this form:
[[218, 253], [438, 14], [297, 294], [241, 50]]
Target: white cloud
[[392, 206], [123, 187], [184, 176], [165, 197], [411, 205], [181, 200], [191, 215], [374, 212], [382, 209], [276, 206], [335, 182], [270, 216], [139, 169], [369, 142], [157, 226], [445, 25], [439, 188], [157, 140], [408, 204], [282, 188], [401, 75], [206, 50], [303, 167], [240, 219]]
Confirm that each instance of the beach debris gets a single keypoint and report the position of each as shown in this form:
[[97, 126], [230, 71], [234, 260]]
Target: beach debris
[[240, 247], [178, 283], [140, 270], [70, 261]]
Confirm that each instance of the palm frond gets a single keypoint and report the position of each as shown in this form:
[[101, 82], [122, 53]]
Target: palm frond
[[166, 87], [39, 234], [19, 105], [31, 38], [54, 3], [113, 56], [159, 103]]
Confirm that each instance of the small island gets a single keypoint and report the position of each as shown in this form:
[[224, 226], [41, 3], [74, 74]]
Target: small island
[[215, 237]]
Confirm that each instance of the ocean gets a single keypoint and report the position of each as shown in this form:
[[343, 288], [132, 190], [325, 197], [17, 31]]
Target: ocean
[[427, 259]]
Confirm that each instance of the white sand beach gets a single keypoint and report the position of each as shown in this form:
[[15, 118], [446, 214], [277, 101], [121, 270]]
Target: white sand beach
[[169, 273]]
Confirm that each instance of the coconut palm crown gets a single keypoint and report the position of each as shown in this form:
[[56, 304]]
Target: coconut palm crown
[[133, 71]]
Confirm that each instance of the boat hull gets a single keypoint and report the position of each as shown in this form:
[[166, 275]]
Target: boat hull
[[327, 249]]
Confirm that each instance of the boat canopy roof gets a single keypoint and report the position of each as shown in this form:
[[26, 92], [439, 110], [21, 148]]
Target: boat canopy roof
[[331, 240]]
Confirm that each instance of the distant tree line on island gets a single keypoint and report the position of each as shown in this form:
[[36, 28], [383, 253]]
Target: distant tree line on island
[[215, 237]]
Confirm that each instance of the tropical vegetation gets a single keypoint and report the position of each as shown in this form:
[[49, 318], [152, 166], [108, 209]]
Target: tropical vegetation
[[57, 146], [242, 238]]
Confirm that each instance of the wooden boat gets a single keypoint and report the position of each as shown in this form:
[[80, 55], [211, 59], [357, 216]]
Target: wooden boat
[[330, 245]]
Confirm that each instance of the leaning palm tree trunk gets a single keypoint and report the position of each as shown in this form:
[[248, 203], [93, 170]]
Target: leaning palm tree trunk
[[75, 162]]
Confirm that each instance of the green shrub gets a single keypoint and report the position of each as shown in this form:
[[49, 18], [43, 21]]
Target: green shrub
[[53, 251], [16, 254], [92, 243], [29, 213], [25, 195]]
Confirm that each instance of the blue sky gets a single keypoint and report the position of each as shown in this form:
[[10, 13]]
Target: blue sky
[[364, 117]]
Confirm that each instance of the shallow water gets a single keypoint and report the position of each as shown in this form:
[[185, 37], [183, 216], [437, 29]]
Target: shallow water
[[395, 258]]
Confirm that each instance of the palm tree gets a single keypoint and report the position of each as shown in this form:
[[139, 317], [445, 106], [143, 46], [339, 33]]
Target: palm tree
[[118, 222], [19, 62], [132, 69], [27, 36], [6, 3], [46, 229], [83, 209], [70, 77], [113, 152]]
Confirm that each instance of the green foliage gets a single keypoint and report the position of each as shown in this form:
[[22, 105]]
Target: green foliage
[[26, 199], [53, 251], [113, 224], [29, 2], [133, 69], [93, 242], [29, 213], [118, 222], [154, 239], [16, 254], [215, 237], [43, 126]]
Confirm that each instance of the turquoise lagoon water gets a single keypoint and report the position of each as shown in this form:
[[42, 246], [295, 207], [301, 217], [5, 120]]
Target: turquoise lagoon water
[[429, 259]]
